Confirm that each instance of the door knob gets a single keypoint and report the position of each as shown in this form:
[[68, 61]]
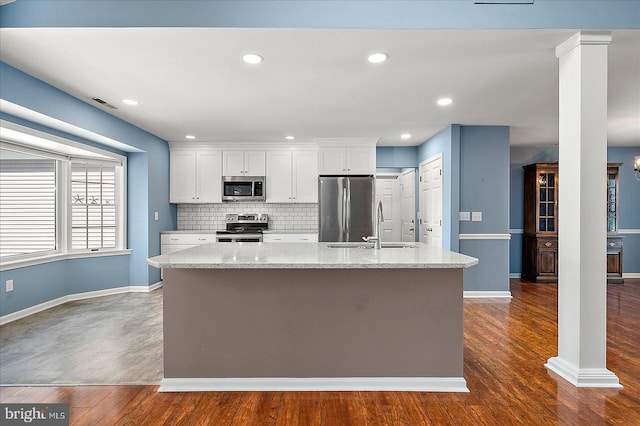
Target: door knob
[[411, 230], [429, 229]]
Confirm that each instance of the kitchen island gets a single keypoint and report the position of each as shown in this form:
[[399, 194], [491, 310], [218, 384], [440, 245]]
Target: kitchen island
[[304, 316]]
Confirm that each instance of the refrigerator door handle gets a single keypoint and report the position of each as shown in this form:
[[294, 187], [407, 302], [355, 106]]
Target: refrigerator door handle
[[344, 211], [348, 218]]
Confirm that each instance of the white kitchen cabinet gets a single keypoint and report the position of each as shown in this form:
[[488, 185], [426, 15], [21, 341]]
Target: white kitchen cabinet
[[273, 237], [195, 176], [243, 163], [172, 242], [347, 161], [292, 176]]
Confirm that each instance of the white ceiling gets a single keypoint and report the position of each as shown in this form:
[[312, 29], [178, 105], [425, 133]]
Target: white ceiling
[[317, 83]]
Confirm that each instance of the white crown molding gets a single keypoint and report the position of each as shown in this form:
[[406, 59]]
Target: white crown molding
[[583, 38], [5, 319], [262, 384], [583, 377], [487, 294], [342, 142], [484, 236], [240, 146]]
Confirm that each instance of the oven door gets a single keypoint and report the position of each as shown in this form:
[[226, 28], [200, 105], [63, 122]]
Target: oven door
[[239, 238]]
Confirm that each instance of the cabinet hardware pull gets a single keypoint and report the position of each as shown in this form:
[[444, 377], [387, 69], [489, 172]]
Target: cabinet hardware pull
[[612, 244], [548, 244]]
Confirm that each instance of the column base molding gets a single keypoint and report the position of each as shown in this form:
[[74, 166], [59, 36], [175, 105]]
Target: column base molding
[[583, 377]]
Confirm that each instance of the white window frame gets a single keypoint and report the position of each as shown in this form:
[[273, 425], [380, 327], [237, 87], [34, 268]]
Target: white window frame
[[74, 151]]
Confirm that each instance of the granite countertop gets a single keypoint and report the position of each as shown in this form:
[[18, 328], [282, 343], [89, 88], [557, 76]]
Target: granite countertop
[[309, 256]]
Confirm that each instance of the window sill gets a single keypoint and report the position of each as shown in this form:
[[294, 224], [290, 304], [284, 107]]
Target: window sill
[[23, 263]]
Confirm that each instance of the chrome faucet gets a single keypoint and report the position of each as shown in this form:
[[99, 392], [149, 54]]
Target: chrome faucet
[[379, 218]]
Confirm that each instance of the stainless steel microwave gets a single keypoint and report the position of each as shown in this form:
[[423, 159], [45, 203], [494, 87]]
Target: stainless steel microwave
[[243, 188]]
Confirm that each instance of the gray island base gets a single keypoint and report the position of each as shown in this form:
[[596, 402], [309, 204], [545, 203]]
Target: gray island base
[[387, 321]]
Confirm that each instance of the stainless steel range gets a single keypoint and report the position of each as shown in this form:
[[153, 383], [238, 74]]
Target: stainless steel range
[[243, 228]]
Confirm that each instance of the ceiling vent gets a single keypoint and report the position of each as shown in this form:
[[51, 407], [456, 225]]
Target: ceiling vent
[[103, 103]]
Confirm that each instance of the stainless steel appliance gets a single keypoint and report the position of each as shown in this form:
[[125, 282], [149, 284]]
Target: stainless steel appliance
[[243, 228], [243, 188], [345, 207]]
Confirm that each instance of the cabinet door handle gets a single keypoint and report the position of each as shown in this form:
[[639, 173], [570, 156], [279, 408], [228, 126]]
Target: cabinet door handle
[[612, 244], [548, 244], [174, 239]]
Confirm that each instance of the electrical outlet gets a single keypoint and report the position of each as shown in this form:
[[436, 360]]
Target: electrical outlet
[[9, 284], [476, 216], [156, 216], [464, 216]]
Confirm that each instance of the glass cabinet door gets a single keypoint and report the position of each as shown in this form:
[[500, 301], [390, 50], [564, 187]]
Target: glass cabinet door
[[547, 183], [612, 198]]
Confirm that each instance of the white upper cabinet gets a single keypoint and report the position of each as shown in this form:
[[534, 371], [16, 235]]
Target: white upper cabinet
[[305, 177], [195, 176], [340, 158], [243, 163], [292, 176]]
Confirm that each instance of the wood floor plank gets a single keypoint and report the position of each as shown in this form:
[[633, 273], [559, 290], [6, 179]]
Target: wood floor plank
[[506, 346]]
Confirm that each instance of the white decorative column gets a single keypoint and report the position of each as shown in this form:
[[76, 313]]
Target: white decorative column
[[582, 233]]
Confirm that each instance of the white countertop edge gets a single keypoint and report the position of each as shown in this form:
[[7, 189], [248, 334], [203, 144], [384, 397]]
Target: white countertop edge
[[310, 265]]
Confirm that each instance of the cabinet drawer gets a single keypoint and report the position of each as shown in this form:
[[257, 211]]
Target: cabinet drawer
[[193, 239], [289, 238], [548, 244]]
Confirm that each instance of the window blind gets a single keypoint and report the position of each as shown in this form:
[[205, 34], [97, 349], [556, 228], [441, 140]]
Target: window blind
[[93, 206], [27, 205]]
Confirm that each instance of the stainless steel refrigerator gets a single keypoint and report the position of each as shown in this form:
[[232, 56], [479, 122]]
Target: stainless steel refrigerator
[[345, 207]]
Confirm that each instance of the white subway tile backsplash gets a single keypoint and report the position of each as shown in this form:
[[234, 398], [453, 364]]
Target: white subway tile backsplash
[[282, 216]]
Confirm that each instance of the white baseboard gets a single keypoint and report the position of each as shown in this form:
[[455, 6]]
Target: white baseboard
[[265, 384], [583, 377], [487, 294], [73, 297], [631, 275], [515, 275]]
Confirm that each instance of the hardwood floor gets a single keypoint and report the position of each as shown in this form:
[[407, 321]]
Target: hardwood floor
[[506, 345]]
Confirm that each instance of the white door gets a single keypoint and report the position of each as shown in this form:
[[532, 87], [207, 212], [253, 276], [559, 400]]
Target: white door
[[232, 163], [182, 177], [278, 177], [305, 177], [209, 177], [388, 191], [408, 196], [431, 201], [254, 163]]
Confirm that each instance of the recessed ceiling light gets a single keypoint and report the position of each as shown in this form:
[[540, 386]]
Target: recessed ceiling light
[[405, 136], [290, 137], [129, 102], [377, 58], [252, 58], [190, 137], [445, 101]]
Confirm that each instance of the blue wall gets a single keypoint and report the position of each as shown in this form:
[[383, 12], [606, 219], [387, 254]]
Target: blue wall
[[147, 191], [321, 14], [629, 199], [484, 187], [396, 157]]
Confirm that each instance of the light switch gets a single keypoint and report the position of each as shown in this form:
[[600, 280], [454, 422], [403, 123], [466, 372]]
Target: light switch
[[9, 285], [465, 216], [156, 216], [476, 216]]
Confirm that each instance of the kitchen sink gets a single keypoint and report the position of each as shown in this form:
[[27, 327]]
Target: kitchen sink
[[370, 245]]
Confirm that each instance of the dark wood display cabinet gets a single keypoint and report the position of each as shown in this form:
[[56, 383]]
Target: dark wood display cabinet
[[540, 236]]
